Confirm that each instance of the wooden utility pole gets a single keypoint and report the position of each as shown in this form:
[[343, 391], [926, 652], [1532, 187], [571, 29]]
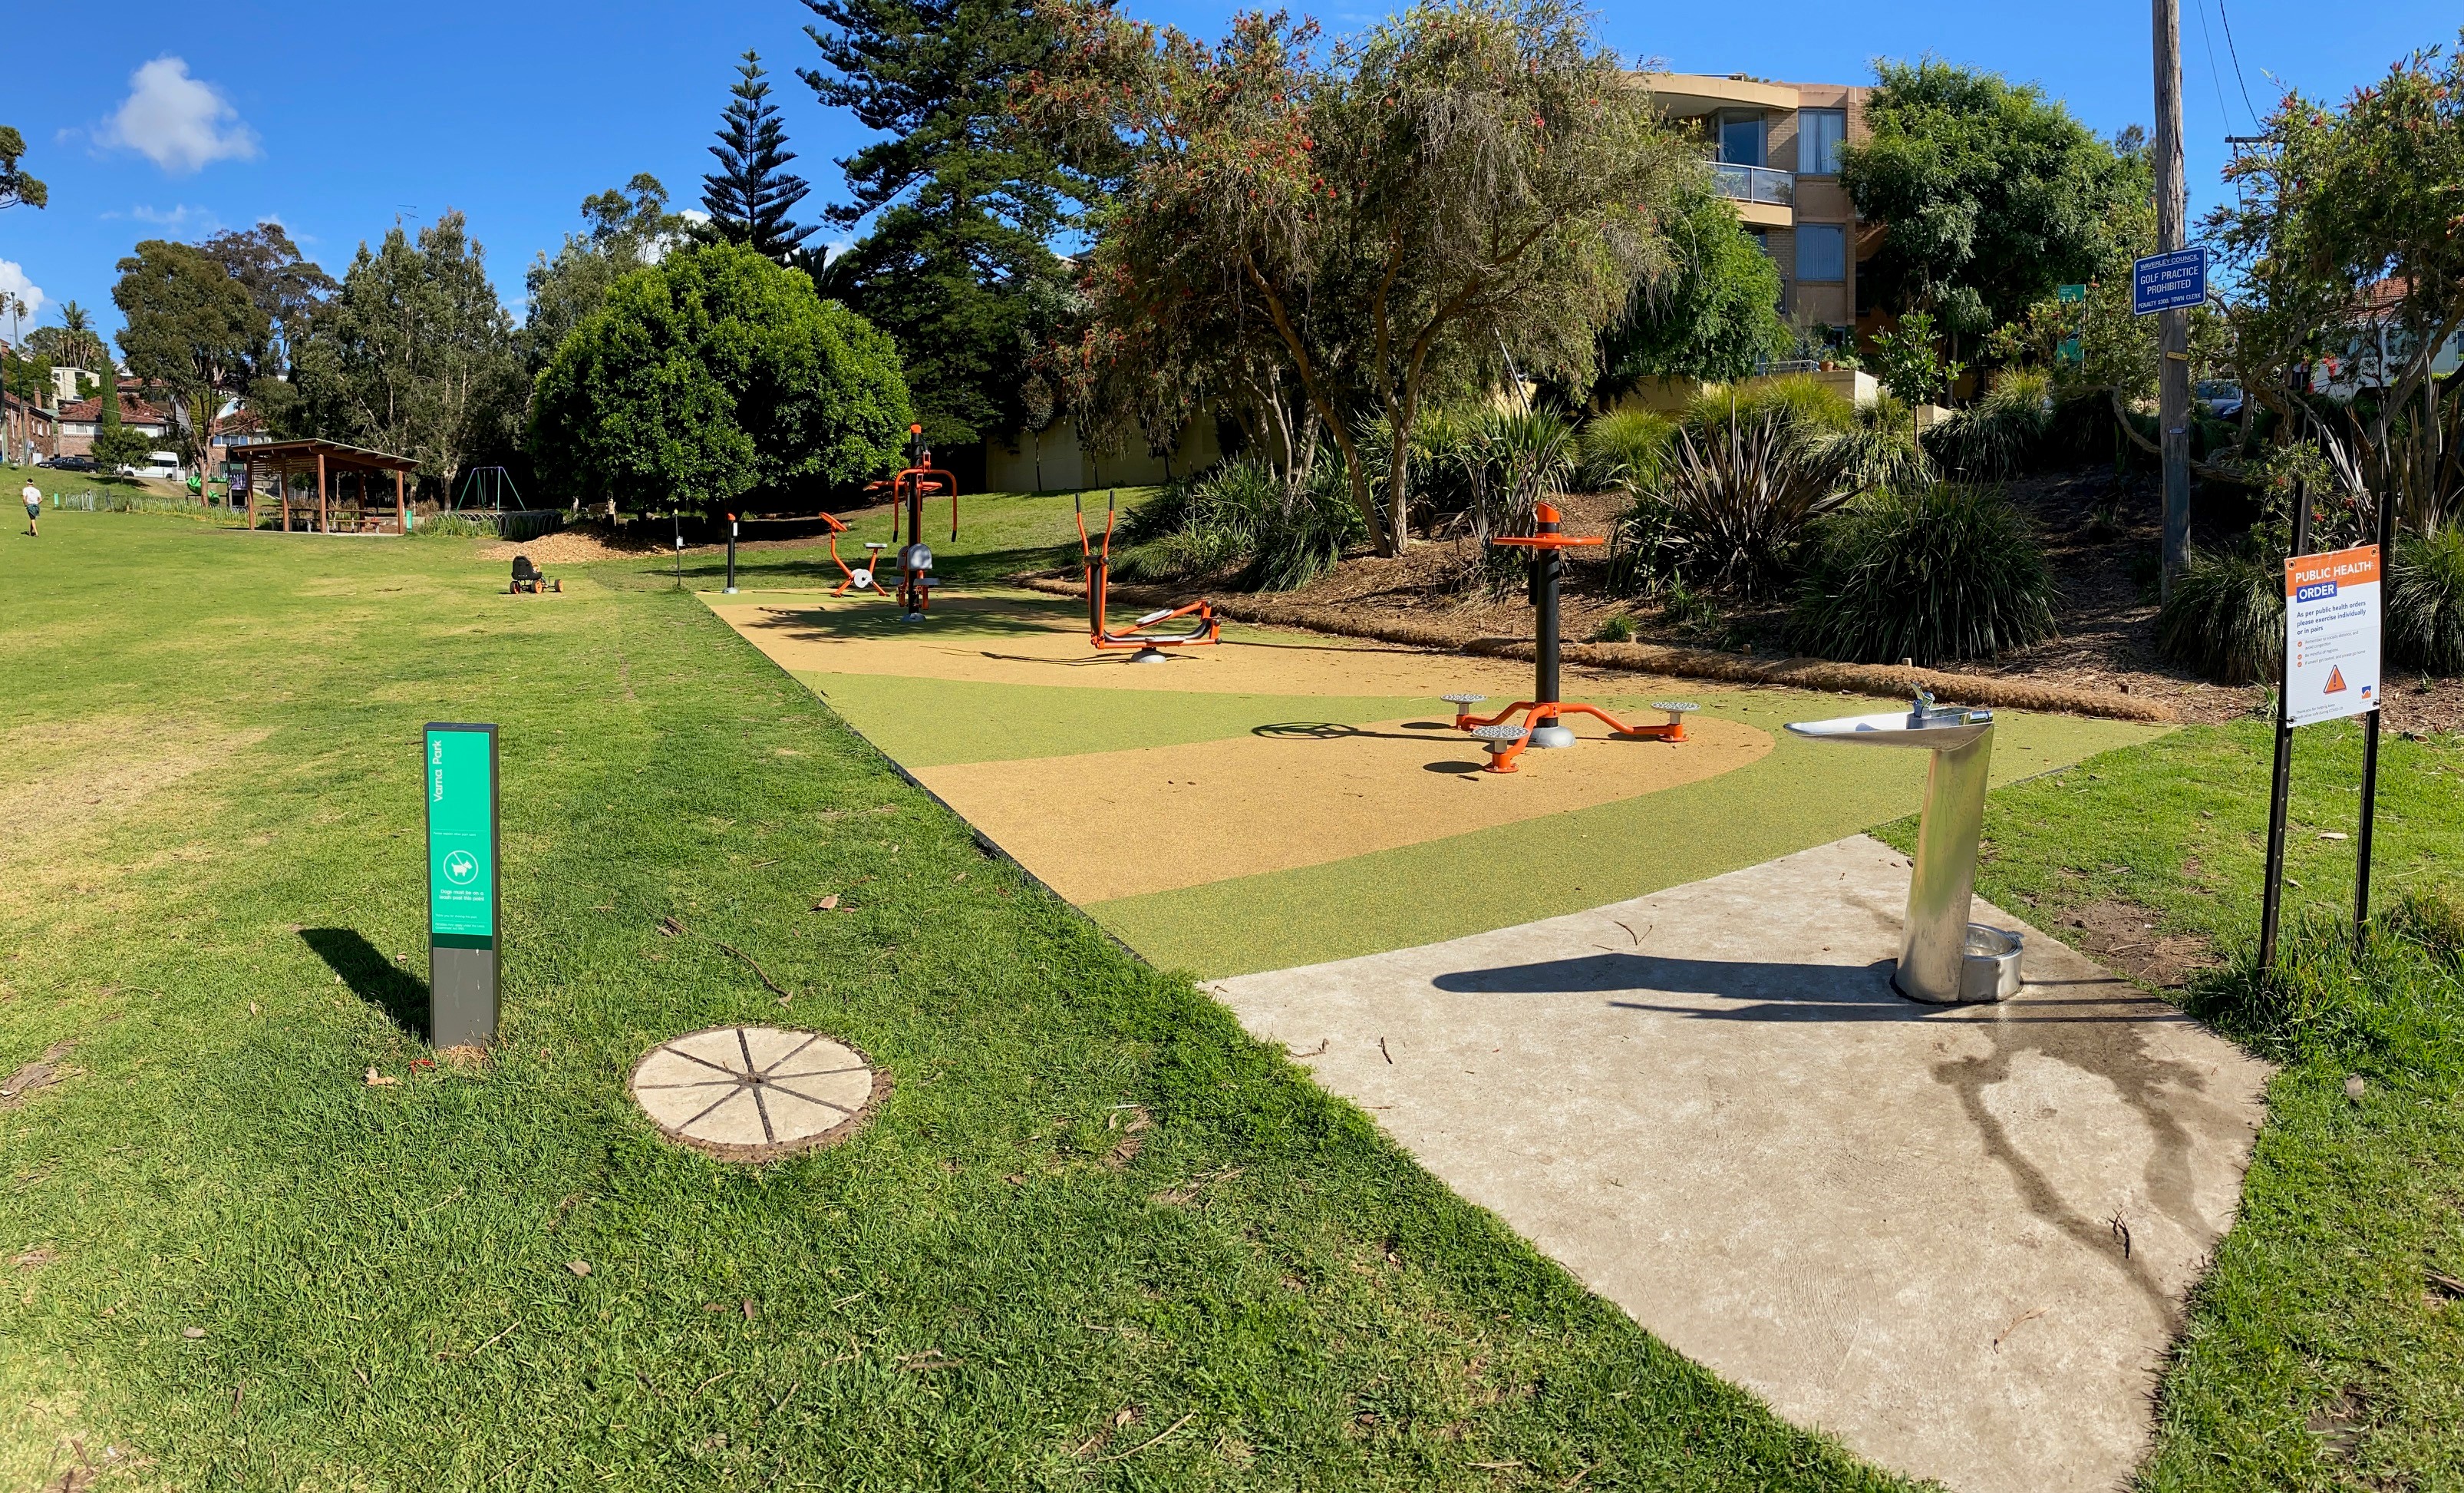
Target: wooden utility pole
[[2174, 328]]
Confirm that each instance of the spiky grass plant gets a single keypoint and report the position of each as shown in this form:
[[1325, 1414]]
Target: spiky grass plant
[[1936, 573]]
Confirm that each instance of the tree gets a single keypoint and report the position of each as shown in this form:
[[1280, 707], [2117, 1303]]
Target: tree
[[1474, 181], [2344, 223], [713, 374], [629, 228], [415, 355], [289, 291], [963, 203], [16, 188], [190, 327], [1990, 193], [1715, 317], [749, 197], [78, 344], [1911, 366]]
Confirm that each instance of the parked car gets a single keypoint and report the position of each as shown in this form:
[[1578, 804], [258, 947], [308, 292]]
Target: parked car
[[2220, 397], [74, 464]]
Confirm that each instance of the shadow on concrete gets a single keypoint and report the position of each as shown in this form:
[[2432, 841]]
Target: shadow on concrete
[[2104, 1034], [374, 978]]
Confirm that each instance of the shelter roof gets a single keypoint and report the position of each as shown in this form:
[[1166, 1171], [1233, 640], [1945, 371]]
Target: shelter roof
[[277, 451]]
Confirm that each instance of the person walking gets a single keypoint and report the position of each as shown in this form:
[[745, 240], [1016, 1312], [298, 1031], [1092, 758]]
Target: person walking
[[33, 496]]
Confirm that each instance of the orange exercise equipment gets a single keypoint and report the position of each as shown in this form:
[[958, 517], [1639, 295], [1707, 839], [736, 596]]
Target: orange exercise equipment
[[1149, 646], [1540, 725], [908, 489]]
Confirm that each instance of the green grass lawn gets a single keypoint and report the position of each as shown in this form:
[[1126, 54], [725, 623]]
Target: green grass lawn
[[2325, 1349], [1000, 534], [1096, 1238]]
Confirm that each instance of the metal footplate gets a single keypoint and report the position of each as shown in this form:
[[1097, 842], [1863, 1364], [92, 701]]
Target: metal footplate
[[1677, 709]]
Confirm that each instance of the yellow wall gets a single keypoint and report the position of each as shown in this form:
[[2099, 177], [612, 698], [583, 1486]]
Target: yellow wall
[[1052, 462]]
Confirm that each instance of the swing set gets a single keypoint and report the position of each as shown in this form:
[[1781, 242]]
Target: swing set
[[1149, 646]]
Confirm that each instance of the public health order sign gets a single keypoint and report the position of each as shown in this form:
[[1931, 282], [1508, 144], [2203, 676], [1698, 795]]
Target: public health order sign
[[2331, 635]]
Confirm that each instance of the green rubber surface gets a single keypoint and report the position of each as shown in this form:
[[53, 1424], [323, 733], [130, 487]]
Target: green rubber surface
[[1804, 793]]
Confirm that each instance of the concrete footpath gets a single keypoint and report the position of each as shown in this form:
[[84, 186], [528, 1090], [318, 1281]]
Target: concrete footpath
[[1958, 1238]]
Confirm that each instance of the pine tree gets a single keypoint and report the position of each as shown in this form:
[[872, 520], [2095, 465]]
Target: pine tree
[[960, 204], [749, 199], [115, 444]]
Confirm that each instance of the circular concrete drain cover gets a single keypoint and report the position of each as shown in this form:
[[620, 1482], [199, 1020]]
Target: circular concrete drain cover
[[752, 1093]]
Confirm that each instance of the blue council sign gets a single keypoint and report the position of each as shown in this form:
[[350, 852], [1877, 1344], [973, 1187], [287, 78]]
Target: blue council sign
[[2168, 281]]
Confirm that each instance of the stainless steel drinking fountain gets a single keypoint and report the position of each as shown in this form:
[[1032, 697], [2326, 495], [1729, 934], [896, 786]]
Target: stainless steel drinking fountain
[[1944, 958]]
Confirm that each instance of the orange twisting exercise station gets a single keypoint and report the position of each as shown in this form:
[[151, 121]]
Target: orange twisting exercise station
[[1540, 725]]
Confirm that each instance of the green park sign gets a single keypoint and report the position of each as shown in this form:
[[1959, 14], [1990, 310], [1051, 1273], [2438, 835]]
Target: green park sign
[[462, 883]]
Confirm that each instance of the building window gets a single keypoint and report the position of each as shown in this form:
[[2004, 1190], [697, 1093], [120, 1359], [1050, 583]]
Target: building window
[[1821, 251], [1820, 135], [1741, 139], [1761, 238]]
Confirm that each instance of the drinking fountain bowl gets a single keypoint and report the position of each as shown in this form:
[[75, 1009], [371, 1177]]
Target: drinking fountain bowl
[[1934, 729], [1943, 958]]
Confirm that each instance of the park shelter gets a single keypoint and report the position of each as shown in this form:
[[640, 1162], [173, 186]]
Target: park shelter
[[338, 507]]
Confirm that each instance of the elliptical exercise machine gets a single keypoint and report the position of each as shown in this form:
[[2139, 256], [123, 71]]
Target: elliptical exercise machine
[[918, 480], [1149, 646]]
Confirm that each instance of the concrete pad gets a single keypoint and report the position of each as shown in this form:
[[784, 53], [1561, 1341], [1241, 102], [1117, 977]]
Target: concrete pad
[[1958, 1238], [1301, 794], [756, 1093]]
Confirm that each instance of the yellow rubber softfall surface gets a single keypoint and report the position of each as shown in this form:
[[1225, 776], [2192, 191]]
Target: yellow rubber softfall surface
[[1117, 824], [1042, 646]]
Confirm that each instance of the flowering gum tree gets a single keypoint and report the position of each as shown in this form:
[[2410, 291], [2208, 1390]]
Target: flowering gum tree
[[1470, 186]]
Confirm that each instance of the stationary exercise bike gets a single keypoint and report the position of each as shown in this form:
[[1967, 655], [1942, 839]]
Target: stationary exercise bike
[[1540, 725], [908, 490], [1149, 646]]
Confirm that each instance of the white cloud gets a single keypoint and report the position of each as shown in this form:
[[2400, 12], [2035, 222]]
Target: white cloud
[[179, 215], [176, 121], [692, 214], [15, 285]]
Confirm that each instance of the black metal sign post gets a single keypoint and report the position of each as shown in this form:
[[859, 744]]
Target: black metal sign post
[[2280, 791], [2370, 752], [730, 554]]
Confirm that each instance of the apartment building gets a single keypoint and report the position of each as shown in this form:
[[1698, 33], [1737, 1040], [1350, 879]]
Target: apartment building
[[1775, 153]]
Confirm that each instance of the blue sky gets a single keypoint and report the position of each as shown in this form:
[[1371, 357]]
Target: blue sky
[[176, 119]]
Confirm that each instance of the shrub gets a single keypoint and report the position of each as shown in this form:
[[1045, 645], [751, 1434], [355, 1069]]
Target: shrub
[[1800, 400], [2002, 433], [1735, 504], [1239, 518], [1880, 450], [1619, 629], [1516, 459], [1622, 450], [2226, 616], [451, 525], [1934, 573], [2425, 600]]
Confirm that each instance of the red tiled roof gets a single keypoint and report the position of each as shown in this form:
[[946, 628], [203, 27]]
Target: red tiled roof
[[133, 410], [240, 422]]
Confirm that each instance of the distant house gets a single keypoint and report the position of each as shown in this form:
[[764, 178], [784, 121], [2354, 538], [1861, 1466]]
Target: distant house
[[79, 421], [30, 431], [233, 429], [68, 382]]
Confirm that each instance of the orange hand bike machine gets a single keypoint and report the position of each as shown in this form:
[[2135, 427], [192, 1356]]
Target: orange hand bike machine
[[1149, 646], [908, 490], [1540, 726]]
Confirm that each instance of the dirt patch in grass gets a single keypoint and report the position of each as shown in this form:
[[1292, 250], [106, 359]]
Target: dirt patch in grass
[[68, 775], [2125, 936], [41, 1074]]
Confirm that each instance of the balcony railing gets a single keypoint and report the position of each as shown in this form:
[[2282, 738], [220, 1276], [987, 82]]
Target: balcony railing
[[1754, 183]]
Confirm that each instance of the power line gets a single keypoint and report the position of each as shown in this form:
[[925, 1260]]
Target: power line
[[2235, 53], [2214, 75]]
